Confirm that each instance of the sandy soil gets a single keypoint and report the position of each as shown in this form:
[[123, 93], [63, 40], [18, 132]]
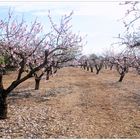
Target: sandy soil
[[75, 104]]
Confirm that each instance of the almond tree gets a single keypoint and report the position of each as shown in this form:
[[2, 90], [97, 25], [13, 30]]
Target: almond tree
[[91, 59], [19, 42], [96, 62], [26, 46], [83, 61], [122, 67], [109, 58], [63, 45], [130, 39]]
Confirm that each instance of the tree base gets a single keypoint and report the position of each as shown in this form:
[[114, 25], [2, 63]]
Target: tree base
[[3, 112], [3, 106]]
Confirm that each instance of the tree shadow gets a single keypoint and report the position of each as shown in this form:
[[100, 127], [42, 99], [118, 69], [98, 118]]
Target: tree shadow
[[23, 93]]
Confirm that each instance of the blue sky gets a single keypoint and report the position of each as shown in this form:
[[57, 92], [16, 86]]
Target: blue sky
[[100, 21]]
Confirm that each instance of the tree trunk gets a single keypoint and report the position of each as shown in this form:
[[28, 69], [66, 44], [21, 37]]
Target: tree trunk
[[47, 75], [121, 77], [97, 71], [111, 67], [37, 83], [3, 105], [55, 71], [91, 68]]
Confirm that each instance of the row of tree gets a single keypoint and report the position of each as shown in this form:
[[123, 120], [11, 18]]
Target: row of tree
[[122, 63], [32, 53], [127, 59]]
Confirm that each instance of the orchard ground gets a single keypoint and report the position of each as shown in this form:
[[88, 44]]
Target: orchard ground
[[75, 104]]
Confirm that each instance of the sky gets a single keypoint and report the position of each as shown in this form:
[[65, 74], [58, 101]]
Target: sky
[[99, 20]]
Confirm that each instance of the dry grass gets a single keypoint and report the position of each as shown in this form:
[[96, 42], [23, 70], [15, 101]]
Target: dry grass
[[81, 105]]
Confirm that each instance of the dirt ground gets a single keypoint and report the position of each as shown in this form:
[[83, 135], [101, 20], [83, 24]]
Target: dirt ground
[[75, 104]]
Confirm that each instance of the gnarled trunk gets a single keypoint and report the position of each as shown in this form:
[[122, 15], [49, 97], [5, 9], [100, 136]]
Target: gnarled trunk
[[91, 68], [47, 74], [55, 71], [111, 67], [37, 83], [97, 71], [3, 105], [121, 77]]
